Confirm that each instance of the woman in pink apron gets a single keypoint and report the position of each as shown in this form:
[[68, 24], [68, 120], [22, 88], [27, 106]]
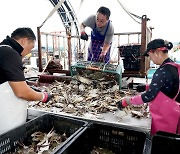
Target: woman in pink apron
[[163, 94]]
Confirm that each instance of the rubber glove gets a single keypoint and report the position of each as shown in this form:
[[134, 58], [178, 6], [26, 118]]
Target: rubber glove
[[46, 97], [123, 103], [84, 36]]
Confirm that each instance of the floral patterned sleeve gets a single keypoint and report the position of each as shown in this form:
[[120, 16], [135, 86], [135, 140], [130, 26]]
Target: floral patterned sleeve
[[159, 78]]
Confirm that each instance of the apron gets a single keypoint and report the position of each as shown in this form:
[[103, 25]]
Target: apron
[[13, 110], [165, 112], [95, 48]]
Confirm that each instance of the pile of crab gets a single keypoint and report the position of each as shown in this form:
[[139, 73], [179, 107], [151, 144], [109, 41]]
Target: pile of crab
[[41, 142], [94, 94]]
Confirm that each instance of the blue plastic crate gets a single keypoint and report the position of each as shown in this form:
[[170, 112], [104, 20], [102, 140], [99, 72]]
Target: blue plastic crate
[[107, 69], [151, 72]]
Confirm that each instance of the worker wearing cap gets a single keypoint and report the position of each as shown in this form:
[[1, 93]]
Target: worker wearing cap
[[101, 35], [163, 94], [14, 91]]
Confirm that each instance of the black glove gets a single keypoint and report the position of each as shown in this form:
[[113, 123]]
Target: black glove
[[141, 87], [130, 85], [47, 97], [119, 105], [84, 36]]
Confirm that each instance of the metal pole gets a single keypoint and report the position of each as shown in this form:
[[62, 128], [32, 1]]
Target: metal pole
[[69, 50], [47, 48], [64, 53], [39, 49], [59, 48], [144, 63]]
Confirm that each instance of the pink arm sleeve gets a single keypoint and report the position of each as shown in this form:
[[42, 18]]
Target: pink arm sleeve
[[136, 100]]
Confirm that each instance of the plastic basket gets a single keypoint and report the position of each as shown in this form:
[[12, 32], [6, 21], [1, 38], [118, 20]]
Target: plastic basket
[[164, 143], [115, 71], [129, 50], [131, 64], [115, 139], [9, 140]]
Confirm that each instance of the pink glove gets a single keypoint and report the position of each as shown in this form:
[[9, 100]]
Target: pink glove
[[46, 97], [122, 103]]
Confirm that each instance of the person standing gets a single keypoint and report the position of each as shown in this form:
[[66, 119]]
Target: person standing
[[101, 35], [163, 93], [14, 91]]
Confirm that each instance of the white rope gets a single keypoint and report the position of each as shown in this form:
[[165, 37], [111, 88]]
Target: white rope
[[128, 12], [53, 11], [80, 6]]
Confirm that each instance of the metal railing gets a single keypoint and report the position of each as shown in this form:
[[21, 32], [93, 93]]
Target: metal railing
[[56, 45]]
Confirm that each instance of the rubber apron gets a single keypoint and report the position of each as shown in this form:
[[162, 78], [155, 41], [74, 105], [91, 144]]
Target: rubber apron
[[97, 42], [165, 112]]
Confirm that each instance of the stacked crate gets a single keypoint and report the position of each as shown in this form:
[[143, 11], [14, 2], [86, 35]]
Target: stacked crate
[[131, 57], [134, 63]]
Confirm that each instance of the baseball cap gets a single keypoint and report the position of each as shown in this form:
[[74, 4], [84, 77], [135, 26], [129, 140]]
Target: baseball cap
[[158, 43]]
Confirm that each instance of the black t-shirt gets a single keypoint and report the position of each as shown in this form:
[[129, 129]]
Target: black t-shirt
[[11, 67], [166, 80]]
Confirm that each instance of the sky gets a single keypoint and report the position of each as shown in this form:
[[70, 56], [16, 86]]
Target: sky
[[163, 15]]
